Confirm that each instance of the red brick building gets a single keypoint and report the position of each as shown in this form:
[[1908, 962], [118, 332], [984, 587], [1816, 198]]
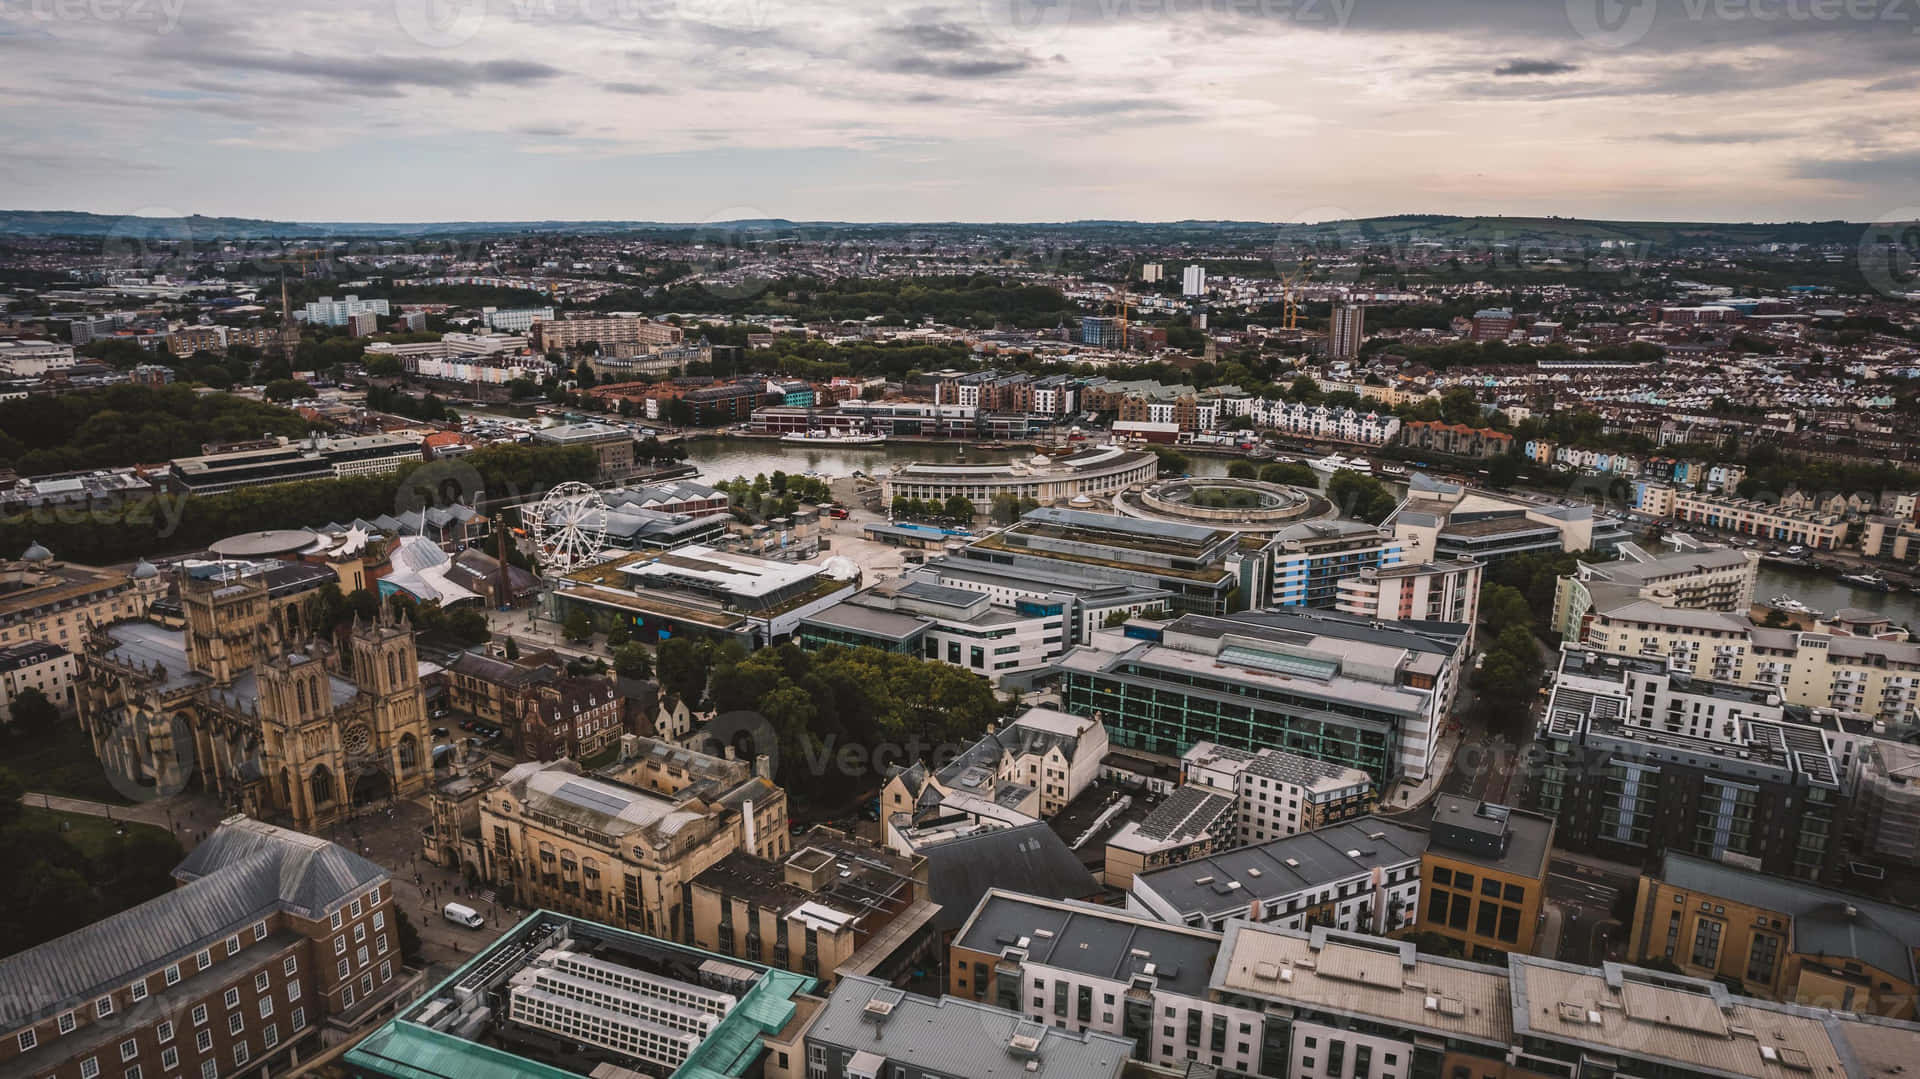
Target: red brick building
[[269, 933]]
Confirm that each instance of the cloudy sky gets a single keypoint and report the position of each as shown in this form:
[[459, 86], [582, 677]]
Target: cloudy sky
[[990, 110]]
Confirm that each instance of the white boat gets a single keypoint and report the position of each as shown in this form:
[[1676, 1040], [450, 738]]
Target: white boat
[[818, 437], [1789, 605], [1338, 462]]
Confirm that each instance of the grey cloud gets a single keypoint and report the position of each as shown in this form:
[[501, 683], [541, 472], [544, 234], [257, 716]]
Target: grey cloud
[[1897, 168], [959, 69], [1717, 138], [633, 87], [1534, 67], [373, 74]]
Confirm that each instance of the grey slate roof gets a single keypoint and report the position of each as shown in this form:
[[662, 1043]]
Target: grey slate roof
[[1099, 942], [242, 872], [1877, 933], [1030, 857], [957, 1037], [1237, 877]]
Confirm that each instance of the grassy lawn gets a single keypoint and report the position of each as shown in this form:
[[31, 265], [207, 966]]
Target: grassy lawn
[[89, 835], [61, 762]]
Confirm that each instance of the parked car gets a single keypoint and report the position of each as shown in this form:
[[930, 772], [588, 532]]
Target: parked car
[[441, 732]]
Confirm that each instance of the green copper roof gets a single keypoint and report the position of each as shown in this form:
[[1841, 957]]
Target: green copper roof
[[407, 1050]]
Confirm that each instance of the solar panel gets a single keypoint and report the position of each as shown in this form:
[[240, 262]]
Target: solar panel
[[593, 798], [1276, 663]]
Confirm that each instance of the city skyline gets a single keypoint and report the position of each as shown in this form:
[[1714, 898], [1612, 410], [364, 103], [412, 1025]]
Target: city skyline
[[989, 111]]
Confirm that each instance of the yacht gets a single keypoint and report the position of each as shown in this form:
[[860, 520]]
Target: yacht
[[1871, 581], [818, 437], [1789, 605], [1331, 463]]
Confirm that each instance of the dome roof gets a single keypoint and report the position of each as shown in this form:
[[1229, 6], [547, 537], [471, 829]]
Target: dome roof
[[37, 553], [144, 570]]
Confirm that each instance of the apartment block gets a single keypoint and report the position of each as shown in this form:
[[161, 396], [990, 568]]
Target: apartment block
[[1362, 874], [1484, 875], [1778, 939], [1640, 760], [1275, 793], [1310, 560]]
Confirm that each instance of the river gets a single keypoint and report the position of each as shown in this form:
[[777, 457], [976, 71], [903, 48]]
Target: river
[[724, 458], [1825, 593]]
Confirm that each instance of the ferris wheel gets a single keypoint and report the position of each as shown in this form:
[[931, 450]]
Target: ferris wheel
[[569, 527]]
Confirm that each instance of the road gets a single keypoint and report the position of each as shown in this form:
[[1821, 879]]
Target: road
[[1585, 891]]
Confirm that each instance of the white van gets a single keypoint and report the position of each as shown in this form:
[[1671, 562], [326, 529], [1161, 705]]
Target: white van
[[461, 914]]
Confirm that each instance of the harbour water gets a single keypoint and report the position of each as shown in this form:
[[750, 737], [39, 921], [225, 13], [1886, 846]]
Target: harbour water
[[724, 458], [1825, 593]]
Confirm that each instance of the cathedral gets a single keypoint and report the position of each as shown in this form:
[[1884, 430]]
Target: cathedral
[[242, 700]]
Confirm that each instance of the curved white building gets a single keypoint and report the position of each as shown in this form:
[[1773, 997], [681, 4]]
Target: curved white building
[[1096, 473]]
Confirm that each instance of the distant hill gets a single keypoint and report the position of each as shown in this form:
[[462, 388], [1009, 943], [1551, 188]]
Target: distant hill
[[1544, 232]]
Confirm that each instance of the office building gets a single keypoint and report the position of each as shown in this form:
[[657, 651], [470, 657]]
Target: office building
[[612, 446], [1089, 476], [369, 455], [620, 843], [514, 319], [327, 311], [557, 996], [1199, 567], [1101, 331], [1193, 281], [1492, 324], [834, 906], [1275, 793], [47, 600], [1356, 692], [35, 665], [1349, 331], [699, 589], [24, 358], [1484, 875], [1441, 520], [1088, 600], [921, 617], [1640, 760], [1362, 875], [363, 324], [270, 935], [1311, 559]]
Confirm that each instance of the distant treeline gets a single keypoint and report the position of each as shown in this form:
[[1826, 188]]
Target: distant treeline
[[171, 523]]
